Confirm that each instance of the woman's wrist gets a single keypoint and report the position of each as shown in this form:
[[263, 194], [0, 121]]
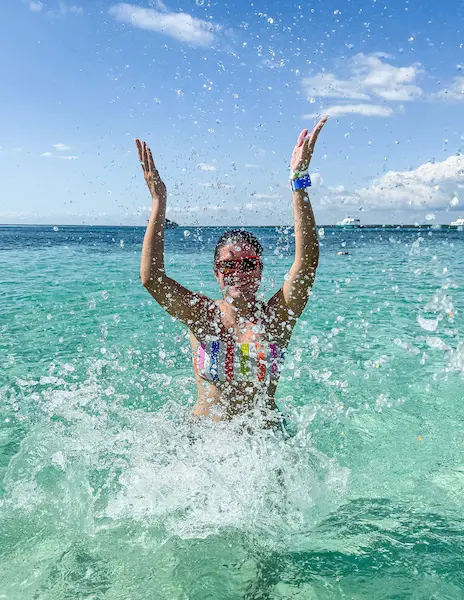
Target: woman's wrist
[[301, 194]]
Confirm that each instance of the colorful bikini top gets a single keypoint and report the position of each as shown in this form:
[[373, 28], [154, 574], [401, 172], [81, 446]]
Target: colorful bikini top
[[217, 360]]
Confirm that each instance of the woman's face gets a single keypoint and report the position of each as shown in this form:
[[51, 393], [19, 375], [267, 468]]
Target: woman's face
[[238, 270]]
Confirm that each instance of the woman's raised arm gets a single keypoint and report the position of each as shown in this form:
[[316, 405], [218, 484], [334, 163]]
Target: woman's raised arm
[[195, 310], [292, 298]]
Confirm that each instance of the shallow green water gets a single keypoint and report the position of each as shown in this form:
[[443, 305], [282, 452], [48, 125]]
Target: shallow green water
[[104, 496]]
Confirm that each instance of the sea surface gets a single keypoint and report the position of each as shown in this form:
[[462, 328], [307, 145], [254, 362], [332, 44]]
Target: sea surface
[[105, 494]]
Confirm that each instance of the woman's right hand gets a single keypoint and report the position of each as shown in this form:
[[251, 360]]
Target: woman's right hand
[[152, 177]]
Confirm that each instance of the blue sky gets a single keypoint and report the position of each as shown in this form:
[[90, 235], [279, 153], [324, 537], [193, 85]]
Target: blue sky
[[221, 90]]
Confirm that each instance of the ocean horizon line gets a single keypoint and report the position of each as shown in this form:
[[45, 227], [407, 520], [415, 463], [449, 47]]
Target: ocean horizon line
[[328, 226]]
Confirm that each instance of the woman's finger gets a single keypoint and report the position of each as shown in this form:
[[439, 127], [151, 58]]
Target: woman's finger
[[305, 152], [301, 137], [145, 157], [138, 143], [316, 131], [151, 161]]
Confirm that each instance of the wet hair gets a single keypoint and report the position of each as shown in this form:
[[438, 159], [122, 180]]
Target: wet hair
[[238, 235]]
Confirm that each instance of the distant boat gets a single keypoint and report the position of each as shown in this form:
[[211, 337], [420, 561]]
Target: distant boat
[[458, 223], [170, 224], [349, 223]]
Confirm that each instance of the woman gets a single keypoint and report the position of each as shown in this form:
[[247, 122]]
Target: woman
[[238, 342]]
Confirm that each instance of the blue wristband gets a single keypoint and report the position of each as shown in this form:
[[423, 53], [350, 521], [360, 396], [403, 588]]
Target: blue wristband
[[301, 183]]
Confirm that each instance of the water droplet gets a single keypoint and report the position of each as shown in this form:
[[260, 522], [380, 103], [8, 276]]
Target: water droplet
[[199, 2]]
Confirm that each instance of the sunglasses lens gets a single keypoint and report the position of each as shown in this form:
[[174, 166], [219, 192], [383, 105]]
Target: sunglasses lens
[[249, 264], [226, 266]]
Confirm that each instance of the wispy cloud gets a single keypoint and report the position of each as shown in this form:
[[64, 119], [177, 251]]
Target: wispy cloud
[[258, 206], [36, 6], [60, 9], [61, 147], [454, 91], [370, 76], [250, 166], [216, 185], [367, 110], [206, 167], [178, 25], [326, 85], [265, 196]]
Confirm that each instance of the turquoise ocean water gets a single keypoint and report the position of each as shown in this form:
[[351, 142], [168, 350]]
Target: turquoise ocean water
[[104, 496]]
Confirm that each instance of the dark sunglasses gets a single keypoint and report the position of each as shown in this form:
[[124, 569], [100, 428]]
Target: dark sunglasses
[[247, 263]]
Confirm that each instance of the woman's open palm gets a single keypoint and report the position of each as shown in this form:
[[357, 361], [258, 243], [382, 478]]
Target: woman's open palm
[[303, 151], [152, 177]]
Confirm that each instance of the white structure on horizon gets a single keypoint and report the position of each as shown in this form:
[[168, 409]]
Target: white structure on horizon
[[458, 223], [349, 223]]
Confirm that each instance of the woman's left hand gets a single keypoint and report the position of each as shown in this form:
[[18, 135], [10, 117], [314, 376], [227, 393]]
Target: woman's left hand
[[303, 151]]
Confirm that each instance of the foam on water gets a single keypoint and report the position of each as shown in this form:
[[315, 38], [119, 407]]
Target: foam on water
[[103, 464]]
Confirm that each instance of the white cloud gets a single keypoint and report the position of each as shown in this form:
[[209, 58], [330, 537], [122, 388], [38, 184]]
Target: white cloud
[[370, 77], [249, 166], [206, 167], [195, 208], [265, 196], [455, 91], [367, 110], [326, 85], [216, 185], [68, 157], [161, 6], [47, 154], [386, 80], [61, 147], [181, 26], [433, 185], [63, 8], [36, 6], [258, 206]]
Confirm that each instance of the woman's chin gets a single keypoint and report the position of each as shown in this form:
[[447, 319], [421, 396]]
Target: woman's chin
[[240, 291]]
